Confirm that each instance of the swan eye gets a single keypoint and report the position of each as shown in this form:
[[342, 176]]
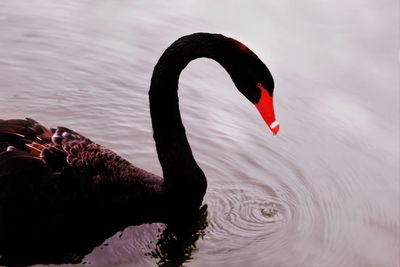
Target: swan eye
[[259, 85]]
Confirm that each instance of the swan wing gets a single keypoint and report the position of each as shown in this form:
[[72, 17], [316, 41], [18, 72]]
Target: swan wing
[[26, 145], [61, 165], [40, 167]]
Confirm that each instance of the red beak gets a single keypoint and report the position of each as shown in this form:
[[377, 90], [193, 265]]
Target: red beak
[[266, 108]]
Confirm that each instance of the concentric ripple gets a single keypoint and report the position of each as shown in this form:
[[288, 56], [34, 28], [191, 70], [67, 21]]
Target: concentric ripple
[[245, 214]]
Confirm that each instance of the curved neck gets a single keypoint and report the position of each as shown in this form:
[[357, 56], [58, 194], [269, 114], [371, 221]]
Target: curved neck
[[181, 172]]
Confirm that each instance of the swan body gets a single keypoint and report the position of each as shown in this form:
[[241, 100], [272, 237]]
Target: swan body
[[57, 173]]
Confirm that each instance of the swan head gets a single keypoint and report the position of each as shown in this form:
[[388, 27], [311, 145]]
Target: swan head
[[253, 79]]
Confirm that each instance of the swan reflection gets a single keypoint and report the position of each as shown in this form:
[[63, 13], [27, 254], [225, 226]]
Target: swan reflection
[[67, 242]]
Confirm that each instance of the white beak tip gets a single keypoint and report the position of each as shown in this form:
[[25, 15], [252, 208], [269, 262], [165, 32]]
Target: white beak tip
[[274, 125]]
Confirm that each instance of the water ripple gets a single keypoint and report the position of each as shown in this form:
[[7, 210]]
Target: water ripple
[[243, 214]]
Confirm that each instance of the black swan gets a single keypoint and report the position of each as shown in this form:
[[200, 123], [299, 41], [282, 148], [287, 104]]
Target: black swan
[[47, 176]]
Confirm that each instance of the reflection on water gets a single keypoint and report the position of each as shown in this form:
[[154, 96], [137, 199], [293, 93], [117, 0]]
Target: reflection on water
[[178, 241], [68, 239], [325, 192]]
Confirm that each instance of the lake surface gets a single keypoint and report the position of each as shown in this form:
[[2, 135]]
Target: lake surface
[[324, 192]]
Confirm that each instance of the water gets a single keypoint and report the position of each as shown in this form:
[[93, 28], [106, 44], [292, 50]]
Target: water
[[324, 192]]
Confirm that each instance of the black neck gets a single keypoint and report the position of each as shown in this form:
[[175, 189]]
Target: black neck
[[181, 172]]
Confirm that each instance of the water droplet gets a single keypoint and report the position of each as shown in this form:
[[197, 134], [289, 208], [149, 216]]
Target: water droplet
[[270, 211]]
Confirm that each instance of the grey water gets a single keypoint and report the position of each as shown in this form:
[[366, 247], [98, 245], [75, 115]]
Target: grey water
[[323, 192]]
